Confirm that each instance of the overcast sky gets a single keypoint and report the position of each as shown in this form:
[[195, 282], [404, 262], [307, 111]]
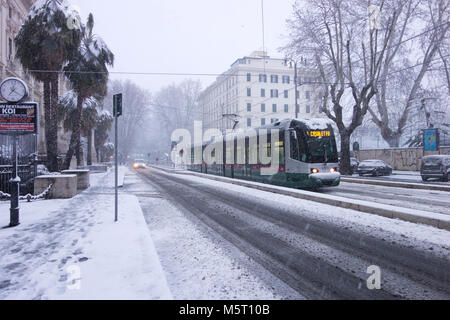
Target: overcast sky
[[185, 36]]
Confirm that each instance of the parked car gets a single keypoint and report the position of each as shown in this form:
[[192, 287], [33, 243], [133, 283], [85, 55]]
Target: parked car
[[375, 168], [435, 167], [354, 165], [139, 164]]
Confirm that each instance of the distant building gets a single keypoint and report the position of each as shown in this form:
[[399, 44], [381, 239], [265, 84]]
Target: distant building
[[258, 90], [12, 15]]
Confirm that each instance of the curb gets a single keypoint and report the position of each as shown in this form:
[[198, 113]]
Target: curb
[[397, 184], [436, 220]]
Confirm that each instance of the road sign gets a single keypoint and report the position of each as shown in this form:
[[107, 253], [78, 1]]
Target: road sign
[[431, 140], [117, 110], [19, 119]]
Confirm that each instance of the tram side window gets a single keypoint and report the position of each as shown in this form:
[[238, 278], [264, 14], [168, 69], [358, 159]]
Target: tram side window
[[298, 147], [279, 147], [294, 146]]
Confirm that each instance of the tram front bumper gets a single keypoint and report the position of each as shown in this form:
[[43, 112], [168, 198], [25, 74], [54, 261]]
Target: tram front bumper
[[326, 179]]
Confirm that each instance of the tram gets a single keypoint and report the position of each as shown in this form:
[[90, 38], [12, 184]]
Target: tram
[[306, 149]]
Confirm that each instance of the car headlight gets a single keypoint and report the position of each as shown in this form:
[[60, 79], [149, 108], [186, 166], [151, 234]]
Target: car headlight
[[333, 170], [314, 171]]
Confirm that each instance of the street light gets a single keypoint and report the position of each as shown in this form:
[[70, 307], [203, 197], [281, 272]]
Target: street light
[[233, 117], [296, 84]]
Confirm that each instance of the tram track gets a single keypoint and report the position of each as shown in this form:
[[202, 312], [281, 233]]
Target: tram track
[[250, 225]]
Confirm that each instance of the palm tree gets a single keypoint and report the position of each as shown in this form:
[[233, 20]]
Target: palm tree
[[88, 73], [44, 45], [104, 124], [88, 123]]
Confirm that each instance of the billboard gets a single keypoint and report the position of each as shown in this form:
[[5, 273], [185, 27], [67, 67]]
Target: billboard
[[21, 118], [431, 140]]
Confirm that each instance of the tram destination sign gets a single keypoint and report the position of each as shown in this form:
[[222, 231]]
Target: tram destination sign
[[21, 118]]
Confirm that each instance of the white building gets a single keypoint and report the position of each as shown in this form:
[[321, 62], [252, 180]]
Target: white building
[[258, 90]]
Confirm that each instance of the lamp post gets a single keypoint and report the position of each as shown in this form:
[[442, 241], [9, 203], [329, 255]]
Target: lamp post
[[296, 84]]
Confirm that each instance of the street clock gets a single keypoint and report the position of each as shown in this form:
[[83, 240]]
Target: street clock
[[13, 90]]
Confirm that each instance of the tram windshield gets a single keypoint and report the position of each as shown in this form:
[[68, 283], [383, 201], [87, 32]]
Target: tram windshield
[[314, 146]]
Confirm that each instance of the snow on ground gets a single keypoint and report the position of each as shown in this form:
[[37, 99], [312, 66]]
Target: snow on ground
[[406, 233], [72, 249], [198, 263]]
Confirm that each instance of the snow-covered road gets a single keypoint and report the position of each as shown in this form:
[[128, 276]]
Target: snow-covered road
[[426, 200], [318, 250]]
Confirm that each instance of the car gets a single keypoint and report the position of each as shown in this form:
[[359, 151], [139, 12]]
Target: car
[[374, 167], [435, 167], [139, 164], [354, 165]]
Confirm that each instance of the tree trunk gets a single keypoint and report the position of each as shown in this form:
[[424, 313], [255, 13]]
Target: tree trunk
[[393, 141], [75, 137], [47, 113], [89, 151], [52, 138], [345, 153], [77, 131]]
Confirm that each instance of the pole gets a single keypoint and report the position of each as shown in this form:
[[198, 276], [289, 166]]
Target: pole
[[15, 185], [116, 170], [296, 89]]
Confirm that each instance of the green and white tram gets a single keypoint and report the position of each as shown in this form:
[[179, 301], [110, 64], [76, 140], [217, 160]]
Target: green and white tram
[[308, 157]]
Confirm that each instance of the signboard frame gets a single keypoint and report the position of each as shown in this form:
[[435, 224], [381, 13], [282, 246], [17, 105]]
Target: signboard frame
[[21, 105]]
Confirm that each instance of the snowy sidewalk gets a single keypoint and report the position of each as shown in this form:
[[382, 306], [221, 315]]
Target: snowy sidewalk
[[72, 249]]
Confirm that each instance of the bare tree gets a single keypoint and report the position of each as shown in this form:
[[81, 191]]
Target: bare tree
[[348, 55], [176, 107], [136, 113], [404, 69]]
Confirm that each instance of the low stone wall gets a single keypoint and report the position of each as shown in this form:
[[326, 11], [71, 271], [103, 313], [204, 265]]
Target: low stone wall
[[83, 176], [64, 186], [403, 159]]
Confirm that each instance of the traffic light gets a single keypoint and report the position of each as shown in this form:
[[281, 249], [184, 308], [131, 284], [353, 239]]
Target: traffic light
[[117, 110]]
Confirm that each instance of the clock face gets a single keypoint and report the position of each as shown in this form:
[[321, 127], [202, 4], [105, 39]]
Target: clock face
[[13, 90]]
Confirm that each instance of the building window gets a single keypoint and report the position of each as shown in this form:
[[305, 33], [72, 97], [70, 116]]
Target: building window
[[298, 108], [274, 108], [308, 95], [249, 77], [263, 107], [286, 94], [249, 92], [263, 93], [286, 108], [274, 93], [249, 122], [286, 79], [10, 12], [308, 108], [263, 121], [274, 78], [249, 107], [263, 78], [273, 120]]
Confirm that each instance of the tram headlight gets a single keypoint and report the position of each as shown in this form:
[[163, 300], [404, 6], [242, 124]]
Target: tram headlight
[[314, 171], [333, 170]]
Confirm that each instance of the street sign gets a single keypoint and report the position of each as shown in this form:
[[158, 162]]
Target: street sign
[[431, 140], [117, 110], [117, 106], [19, 118]]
